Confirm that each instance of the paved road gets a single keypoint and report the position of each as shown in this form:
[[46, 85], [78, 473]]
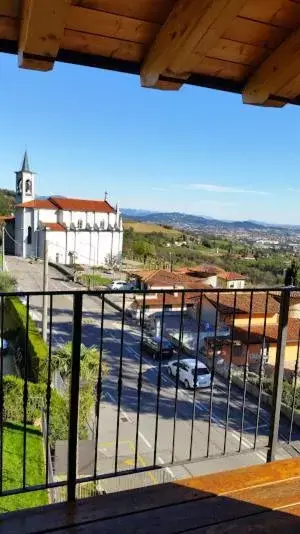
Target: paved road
[[152, 415]]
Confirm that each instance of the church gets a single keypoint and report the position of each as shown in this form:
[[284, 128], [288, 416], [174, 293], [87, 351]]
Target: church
[[88, 232]]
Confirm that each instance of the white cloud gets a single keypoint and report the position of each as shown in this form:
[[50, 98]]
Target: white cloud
[[213, 188]]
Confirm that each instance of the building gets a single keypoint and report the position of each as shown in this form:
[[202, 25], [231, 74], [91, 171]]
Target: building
[[89, 232], [231, 280], [214, 276]]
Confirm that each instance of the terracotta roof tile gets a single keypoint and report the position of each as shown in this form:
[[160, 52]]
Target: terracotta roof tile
[[157, 302], [54, 227], [77, 204], [7, 218], [231, 276], [39, 203], [242, 305], [257, 332], [164, 279]]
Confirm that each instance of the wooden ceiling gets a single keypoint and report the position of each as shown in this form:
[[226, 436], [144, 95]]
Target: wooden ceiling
[[250, 47]]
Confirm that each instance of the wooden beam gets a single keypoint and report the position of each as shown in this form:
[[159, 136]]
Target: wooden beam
[[190, 24], [276, 71], [41, 30]]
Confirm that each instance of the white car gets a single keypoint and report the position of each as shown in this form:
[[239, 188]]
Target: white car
[[187, 370], [118, 285]]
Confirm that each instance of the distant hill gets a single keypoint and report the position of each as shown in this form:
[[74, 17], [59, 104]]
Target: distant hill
[[7, 201], [194, 222]]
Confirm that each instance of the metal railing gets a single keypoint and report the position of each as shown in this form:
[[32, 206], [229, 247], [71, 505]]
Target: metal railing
[[146, 418]]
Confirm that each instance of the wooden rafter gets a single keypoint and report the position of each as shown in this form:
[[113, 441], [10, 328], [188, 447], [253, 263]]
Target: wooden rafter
[[190, 24], [275, 72], [42, 27]]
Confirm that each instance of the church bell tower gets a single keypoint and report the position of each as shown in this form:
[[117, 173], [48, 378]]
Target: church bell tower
[[24, 182]]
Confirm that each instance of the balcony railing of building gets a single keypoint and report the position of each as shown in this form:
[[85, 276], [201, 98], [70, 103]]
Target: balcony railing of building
[[149, 416]]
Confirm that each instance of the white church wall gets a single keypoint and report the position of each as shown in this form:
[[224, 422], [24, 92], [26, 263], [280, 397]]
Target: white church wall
[[19, 244], [47, 215]]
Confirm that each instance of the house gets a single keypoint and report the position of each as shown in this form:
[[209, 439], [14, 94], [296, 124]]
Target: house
[[231, 280], [214, 276], [89, 232], [263, 340], [234, 309], [208, 274]]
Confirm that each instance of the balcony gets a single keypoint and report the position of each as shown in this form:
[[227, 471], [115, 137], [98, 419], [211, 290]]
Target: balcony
[[146, 453]]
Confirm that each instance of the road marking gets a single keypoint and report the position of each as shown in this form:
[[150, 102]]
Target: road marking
[[215, 419]]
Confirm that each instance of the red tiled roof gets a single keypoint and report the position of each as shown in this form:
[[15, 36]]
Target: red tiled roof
[[6, 217], [157, 302], [242, 304], [204, 270], [68, 204], [54, 227], [39, 203], [231, 276], [271, 334], [164, 279], [77, 204]]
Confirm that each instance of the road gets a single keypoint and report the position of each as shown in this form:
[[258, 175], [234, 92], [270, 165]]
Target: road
[[147, 429]]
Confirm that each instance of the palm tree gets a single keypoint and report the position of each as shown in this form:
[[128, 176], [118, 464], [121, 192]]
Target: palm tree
[[89, 362]]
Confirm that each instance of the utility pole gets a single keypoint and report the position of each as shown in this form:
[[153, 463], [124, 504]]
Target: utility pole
[[3, 247], [45, 288]]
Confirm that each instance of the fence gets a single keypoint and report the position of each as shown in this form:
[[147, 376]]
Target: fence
[[144, 421]]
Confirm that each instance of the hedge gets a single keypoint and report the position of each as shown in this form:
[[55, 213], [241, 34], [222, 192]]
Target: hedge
[[15, 317], [13, 410]]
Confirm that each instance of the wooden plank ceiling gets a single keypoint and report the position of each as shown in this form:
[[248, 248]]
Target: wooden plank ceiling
[[250, 47]]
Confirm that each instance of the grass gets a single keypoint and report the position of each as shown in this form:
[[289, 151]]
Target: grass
[[13, 467], [94, 280], [148, 228]]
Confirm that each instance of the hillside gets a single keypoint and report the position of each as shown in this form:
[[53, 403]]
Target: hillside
[[7, 201], [194, 222], [149, 228]]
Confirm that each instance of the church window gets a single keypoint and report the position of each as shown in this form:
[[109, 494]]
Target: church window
[[28, 187], [29, 235], [80, 224]]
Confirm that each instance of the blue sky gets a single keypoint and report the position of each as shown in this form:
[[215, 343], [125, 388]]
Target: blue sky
[[196, 151]]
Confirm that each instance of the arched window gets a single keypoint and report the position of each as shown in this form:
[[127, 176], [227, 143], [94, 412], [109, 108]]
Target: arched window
[[28, 187], [29, 235], [80, 224]]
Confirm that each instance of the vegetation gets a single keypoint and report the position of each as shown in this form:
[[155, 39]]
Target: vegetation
[[7, 201], [15, 329], [292, 275], [13, 467], [148, 228], [157, 250], [93, 280], [7, 282], [89, 362]]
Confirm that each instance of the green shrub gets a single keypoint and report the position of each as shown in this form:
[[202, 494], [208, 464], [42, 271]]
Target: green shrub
[[15, 317], [7, 282], [13, 392]]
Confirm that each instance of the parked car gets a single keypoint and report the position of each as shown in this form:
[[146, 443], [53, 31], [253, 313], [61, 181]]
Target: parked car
[[118, 285], [122, 285], [187, 371], [152, 346]]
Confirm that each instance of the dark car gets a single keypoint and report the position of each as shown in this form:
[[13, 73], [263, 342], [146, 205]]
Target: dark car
[[153, 345]]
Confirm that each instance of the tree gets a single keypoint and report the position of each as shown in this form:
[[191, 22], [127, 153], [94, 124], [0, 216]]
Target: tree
[[292, 275], [89, 362]]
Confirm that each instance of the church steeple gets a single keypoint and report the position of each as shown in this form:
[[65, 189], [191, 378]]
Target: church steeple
[[25, 189], [25, 165]]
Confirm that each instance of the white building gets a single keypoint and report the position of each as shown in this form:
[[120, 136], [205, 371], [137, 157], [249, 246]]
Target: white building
[[88, 232]]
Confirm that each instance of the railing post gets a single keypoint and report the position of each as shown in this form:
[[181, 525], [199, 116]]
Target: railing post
[[74, 396], [278, 373]]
